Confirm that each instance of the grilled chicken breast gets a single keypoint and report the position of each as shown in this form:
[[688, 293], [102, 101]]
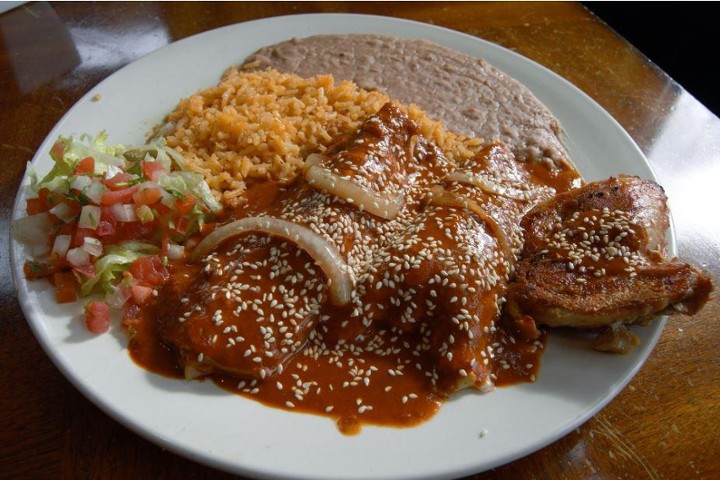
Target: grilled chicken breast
[[596, 257]]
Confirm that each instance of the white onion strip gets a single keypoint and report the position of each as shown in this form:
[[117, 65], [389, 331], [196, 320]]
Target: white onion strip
[[340, 278], [322, 178], [489, 186], [382, 205], [442, 198]]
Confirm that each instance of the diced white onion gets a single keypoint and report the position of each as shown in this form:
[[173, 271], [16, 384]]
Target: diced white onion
[[124, 212], [175, 252], [78, 257], [340, 277], [148, 184], [61, 245], [89, 217], [119, 295], [95, 192], [80, 182], [111, 171], [93, 246], [167, 198], [144, 214], [63, 212]]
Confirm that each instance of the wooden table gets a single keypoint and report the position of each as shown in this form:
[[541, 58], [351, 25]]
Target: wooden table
[[665, 424]]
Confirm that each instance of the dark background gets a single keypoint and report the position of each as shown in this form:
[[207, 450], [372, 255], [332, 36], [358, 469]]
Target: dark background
[[682, 38]]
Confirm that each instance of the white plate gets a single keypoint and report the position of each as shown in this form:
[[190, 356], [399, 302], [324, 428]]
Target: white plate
[[232, 433]]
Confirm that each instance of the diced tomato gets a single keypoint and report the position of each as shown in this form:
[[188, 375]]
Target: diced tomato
[[141, 294], [34, 270], [36, 205], [186, 204], [105, 228], [119, 196], [134, 231], [59, 263], [39, 204], [149, 270], [85, 166], [66, 229], [118, 182], [97, 316], [162, 209], [153, 170], [107, 214], [108, 222], [74, 205], [147, 196], [79, 236], [65, 287]]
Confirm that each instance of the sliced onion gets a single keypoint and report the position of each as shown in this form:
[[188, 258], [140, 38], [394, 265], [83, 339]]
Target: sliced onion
[[148, 184], [78, 257], [167, 198], [441, 197], [175, 252], [490, 186], [95, 192], [119, 295], [89, 217], [111, 171], [124, 212], [144, 214], [382, 205], [340, 277], [80, 182], [63, 212], [93, 246], [61, 245]]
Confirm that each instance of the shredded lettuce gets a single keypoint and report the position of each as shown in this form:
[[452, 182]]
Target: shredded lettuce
[[159, 152], [33, 177], [175, 155], [68, 151], [191, 183], [63, 167], [116, 260]]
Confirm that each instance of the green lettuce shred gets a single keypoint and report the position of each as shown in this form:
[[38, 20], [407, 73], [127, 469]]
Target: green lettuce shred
[[116, 260]]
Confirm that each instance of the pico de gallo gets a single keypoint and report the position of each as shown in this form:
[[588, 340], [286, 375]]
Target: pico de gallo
[[107, 220]]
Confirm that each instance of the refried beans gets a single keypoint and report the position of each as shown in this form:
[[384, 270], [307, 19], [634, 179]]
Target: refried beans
[[468, 94]]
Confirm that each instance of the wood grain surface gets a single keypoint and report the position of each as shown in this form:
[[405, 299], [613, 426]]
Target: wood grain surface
[[665, 424]]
